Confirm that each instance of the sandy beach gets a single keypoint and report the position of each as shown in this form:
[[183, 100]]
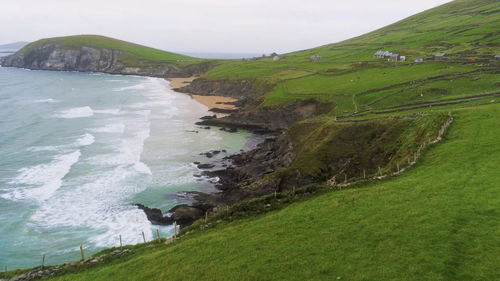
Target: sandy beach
[[219, 102]]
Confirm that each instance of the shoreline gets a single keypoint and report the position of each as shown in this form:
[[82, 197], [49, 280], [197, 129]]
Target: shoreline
[[214, 103]]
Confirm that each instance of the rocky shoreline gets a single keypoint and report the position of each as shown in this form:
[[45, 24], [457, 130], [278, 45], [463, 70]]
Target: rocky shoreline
[[243, 174], [240, 177]]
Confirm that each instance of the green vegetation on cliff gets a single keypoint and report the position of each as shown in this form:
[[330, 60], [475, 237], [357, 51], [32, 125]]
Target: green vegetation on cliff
[[133, 54]]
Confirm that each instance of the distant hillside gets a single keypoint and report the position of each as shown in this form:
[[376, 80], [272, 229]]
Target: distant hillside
[[102, 54], [13, 47], [348, 74]]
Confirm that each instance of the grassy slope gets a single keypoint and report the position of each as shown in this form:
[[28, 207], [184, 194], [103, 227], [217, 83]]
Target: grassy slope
[[465, 29], [133, 54], [438, 221]]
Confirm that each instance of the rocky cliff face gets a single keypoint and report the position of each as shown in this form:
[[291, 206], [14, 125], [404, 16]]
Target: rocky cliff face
[[50, 56]]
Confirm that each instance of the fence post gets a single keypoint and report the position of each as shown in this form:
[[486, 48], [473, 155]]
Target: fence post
[[5, 269], [121, 245], [143, 237], [175, 229], [206, 217], [364, 173], [345, 178], [43, 260], [81, 252], [275, 194], [379, 171], [158, 234], [397, 165]]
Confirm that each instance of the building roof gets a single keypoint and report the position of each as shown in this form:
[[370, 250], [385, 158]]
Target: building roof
[[440, 55]]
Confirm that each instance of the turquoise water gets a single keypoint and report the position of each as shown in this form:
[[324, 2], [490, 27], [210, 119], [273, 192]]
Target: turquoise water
[[77, 150]]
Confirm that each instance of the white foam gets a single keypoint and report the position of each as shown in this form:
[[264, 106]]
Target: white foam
[[97, 203], [45, 101], [40, 182], [127, 88], [42, 148], [113, 111], [118, 128], [142, 168], [77, 112], [84, 140]]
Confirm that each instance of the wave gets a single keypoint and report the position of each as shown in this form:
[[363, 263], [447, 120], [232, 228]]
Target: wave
[[43, 148], [84, 140], [45, 101], [97, 203], [40, 182], [127, 88], [76, 112], [113, 111], [118, 128]]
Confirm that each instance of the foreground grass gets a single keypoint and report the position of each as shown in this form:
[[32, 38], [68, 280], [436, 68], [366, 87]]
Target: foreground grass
[[439, 221]]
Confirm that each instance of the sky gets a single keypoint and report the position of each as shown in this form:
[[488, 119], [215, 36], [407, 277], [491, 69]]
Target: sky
[[216, 26]]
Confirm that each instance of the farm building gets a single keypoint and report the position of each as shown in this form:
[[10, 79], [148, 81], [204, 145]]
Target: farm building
[[402, 58], [393, 57], [382, 54], [497, 57], [276, 58], [441, 56], [316, 57], [418, 60]]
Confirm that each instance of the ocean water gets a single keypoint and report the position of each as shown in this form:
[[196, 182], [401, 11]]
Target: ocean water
[[77, 150]]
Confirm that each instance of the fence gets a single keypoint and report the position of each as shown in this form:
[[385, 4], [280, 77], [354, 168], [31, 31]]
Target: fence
[[399, 168], [82, 251]]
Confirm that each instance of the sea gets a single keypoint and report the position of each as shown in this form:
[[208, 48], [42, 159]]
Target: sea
[[78, 150]]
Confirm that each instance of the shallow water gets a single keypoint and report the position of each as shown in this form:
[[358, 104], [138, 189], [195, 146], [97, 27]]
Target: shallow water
[[76, 150]]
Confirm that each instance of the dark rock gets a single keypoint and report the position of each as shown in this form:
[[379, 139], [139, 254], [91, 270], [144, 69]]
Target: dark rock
[[205, 166], [196, 163], [154, 215], [185, 215], [223, 110], [209, 117]]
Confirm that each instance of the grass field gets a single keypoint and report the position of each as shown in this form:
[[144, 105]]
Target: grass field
[[438, 221], [351, 77]]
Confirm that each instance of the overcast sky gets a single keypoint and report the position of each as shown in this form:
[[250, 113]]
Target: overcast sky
[[238, 26]]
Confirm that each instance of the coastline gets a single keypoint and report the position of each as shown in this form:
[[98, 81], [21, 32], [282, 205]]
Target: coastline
[[214, 103]]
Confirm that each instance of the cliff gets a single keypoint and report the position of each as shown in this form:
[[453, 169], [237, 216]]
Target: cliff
[[91, 53]]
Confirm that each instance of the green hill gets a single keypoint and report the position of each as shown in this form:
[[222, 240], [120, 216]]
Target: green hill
[[133, 54], [349, 75]]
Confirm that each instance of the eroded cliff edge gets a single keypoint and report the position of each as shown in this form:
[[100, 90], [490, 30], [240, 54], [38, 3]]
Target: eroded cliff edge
[[55, 56]]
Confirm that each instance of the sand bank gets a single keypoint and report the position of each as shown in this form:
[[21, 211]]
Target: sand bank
[[209, 101]]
